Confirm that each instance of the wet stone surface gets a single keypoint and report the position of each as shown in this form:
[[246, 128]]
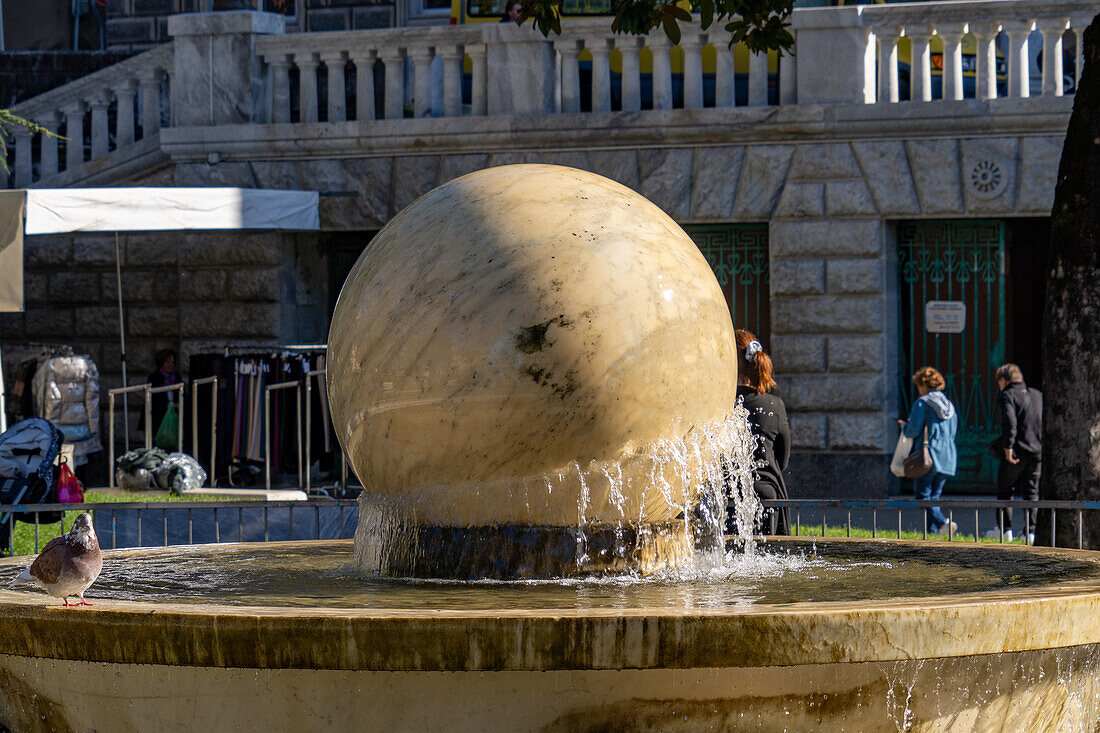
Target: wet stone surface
[[322, 576]]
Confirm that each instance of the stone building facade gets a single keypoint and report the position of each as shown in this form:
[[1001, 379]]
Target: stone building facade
[[837, 182], [832, 209]]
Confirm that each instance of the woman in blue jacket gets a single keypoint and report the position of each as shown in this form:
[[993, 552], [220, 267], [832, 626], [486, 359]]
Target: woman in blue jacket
[[934, 411]]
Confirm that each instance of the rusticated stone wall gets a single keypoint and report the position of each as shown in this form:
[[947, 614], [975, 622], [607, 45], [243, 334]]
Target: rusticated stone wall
[[831, 206], [191, 291]]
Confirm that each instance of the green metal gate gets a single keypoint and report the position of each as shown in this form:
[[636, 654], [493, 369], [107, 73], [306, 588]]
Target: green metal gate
[[956, 262], [738, 254]]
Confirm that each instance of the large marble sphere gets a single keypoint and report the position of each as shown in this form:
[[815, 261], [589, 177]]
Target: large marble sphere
[[530, 345]]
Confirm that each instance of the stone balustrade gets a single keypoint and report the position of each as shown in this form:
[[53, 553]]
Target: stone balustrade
[[983, 49], [238, 77], [687, 88], [101, 115], [364, 73]]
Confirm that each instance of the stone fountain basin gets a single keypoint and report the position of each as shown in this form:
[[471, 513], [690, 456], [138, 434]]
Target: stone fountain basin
[[1020, 658]]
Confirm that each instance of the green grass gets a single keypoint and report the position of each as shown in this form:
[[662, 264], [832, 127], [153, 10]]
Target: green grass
[[814, 530], [24, 541]]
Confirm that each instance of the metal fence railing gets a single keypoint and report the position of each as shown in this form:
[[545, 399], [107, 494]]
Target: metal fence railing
[[807, 516], [164, 523]]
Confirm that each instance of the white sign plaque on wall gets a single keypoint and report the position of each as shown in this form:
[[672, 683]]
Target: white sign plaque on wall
[[944, 316]]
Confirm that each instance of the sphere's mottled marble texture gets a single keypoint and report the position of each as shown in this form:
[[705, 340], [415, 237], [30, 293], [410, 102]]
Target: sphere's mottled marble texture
[[516, 338]]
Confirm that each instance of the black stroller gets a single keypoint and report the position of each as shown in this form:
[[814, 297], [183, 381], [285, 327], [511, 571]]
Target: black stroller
[[27, 453]]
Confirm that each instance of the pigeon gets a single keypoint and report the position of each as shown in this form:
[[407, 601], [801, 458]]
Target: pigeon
[[68, 564]]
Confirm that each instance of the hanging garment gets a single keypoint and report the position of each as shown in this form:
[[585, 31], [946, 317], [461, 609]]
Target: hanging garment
[[66, 392]]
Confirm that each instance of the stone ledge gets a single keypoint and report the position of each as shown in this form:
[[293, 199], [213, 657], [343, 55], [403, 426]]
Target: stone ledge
[[858, 432], [798, 354], [797, 277], [854, 277], [825, 314], [808, 431], [802, 124], [856, 354], [827, 237], [846, 393], [200, 635], [820, 475]]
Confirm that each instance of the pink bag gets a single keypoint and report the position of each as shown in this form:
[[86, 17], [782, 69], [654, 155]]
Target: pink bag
[[69, 490]]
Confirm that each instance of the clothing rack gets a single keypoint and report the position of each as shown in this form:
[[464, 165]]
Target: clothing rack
[[247, 373]]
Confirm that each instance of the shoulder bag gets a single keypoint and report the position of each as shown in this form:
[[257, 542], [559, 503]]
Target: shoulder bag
[[919, 462]]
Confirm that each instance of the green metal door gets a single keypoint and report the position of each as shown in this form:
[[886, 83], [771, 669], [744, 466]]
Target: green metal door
[[738, 254], [950, 263]]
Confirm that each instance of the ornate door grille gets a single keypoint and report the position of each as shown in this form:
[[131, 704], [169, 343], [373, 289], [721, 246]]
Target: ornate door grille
[[956, 261], [738, 254]]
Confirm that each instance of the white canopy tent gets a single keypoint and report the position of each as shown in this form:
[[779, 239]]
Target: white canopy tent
[[66, 210]]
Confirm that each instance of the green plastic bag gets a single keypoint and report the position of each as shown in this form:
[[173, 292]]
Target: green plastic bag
[[167, 437]]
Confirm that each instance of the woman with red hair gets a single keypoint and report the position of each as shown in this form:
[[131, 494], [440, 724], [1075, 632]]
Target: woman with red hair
[[768, 422], [933, 416]]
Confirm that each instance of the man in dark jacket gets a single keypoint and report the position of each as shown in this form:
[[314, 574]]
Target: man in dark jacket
[[1020, 447]]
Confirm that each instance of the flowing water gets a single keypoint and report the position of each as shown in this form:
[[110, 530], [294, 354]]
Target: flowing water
[[322, 575], [647, 495]]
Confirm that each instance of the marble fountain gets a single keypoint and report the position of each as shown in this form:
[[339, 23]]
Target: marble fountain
[[532, 371]]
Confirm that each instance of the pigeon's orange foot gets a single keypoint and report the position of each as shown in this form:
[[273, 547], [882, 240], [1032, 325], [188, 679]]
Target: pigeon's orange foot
[[67, 604], [84, 602]]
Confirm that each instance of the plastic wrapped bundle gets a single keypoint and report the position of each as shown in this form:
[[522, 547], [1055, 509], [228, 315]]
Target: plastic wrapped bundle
[[150, 469]]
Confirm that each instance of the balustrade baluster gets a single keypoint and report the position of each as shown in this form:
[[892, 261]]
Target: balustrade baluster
[[887, 65], [723, 74], [1079, 25], [124, 116], [1052, 30], [337, 99], [452, 80], [629, 48], [758, 79], [693, 69], [570, 75], [280, 88], [920, 64], [952, 62], [150, 101], [479, 100], [168, 76], [660, 47], [394, 62], [101, 136], [364, 83], [422, 81], [307, 86], [788, 91], [74, 131], [600, 48], [24, 166], [985, 38], [47, 166], [1019, 77]]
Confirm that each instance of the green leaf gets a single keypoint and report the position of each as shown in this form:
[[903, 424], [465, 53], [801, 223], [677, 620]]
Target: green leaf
[[679, 13], [672, 29], [706, 13]]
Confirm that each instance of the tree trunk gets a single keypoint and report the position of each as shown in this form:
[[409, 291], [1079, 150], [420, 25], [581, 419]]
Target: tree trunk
[[1071, 341]]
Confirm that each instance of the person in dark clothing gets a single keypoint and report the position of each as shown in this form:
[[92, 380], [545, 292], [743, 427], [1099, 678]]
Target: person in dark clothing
[[1019, 447], [768, 422], [511, 12], [163, 375]]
